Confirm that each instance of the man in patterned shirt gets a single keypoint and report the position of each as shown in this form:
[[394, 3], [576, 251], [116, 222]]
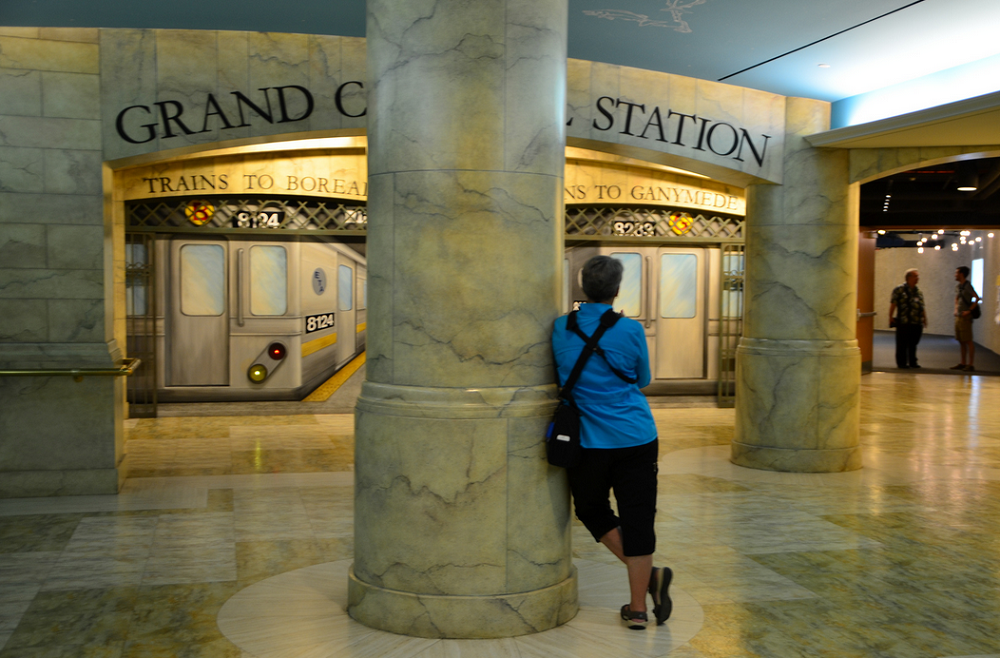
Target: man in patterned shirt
[[911, 320]]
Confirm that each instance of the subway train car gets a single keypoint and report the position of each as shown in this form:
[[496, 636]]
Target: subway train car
[[245, 318], [675, 292]]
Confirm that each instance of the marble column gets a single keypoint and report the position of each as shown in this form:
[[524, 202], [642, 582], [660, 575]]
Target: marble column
[[462, 530], [798, 365]]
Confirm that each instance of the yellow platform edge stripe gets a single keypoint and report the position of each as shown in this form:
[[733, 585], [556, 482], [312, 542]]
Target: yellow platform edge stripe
[[362, 327], [314, 346], [330, 386]]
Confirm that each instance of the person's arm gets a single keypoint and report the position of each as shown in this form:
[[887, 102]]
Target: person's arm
[[892, 312], [972, 300], [642, 367]]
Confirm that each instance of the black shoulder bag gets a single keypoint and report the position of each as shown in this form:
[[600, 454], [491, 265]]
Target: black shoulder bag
[[562, 441]]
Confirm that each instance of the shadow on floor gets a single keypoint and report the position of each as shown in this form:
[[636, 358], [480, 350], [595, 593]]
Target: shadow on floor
[[936, 354]]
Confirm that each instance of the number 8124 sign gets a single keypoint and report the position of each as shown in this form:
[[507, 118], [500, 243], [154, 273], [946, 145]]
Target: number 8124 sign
[[262, 219], [319, 322]]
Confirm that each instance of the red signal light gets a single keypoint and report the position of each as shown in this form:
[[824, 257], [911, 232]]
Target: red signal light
[[276, 351]]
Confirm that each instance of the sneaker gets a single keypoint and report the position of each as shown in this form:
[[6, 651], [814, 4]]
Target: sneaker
[[969, 369], [637, 621], [659, 584], [960, 366]]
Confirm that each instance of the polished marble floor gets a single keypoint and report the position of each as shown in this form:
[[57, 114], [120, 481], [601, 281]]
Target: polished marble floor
[[900, 559]]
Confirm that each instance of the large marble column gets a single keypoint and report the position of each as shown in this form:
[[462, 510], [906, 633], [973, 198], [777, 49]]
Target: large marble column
[[461, 528], [798, 365]]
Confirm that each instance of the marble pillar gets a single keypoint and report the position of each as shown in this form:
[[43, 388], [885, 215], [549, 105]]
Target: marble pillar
[[462, 530], [798, 365]]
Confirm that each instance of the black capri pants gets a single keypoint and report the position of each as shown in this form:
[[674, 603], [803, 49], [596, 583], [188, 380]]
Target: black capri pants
[[631, 473]]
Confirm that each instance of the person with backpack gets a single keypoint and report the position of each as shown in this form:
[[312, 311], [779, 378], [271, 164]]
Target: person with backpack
[[617, 434], [966, 310]]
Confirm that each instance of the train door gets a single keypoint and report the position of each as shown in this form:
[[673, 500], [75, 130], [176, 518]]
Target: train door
[[199, 317], [665, 289], [346, 311], [267, 311], [680, 314]]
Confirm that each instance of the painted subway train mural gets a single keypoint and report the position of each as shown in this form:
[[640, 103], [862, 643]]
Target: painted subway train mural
[[259, 315]]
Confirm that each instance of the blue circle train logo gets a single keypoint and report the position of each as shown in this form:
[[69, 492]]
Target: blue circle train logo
[[319, 281]]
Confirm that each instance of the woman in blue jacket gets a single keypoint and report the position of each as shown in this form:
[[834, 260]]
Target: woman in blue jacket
[[619, 440]]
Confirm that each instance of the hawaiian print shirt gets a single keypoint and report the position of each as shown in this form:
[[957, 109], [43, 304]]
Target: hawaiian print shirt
[[909, 304]]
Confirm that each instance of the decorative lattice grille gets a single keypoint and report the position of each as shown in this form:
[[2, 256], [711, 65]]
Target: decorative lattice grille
[[732, 281], [247, 213], [633, 222]]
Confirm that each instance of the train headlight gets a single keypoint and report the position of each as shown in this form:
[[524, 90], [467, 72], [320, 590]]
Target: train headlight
[[276, 351], [257, 373]]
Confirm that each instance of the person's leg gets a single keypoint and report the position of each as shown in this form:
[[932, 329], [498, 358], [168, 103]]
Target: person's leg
[[634, 483], [961, 343], [591, 487], [972, 354], [912, 339], [900, 346], [640, 568]]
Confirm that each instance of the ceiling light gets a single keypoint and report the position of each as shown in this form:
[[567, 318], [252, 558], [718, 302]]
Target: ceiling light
[[920, 250], [979, 239], [940, 231], [881, 232], [968, 178], [937, 247], [990, 235], [966, 233]]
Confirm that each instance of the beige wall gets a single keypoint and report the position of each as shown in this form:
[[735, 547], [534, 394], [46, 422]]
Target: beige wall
[[987, 328], [937, 283]]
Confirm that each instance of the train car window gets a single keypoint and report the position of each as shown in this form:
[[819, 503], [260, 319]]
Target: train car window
[[345, 290], [629, 297], [268, 280], [678, 285], [203, 279]]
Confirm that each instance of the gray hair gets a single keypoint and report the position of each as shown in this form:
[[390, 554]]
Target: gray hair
[[602, 275]]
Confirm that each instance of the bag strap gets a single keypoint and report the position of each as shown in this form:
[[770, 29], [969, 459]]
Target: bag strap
[[588, 351], [609, 318]]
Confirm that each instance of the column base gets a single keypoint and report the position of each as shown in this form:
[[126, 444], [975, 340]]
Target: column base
[[462, 617], [796, 461], [32, 484], [797, 405]]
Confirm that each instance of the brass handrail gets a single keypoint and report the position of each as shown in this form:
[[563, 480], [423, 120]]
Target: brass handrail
[[127, 367]]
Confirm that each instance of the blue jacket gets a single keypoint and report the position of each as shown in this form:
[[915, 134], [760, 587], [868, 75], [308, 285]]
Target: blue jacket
[[613, 413]]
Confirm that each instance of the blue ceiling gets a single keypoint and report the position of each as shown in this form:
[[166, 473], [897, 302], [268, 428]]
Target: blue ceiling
[[774, 45]]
